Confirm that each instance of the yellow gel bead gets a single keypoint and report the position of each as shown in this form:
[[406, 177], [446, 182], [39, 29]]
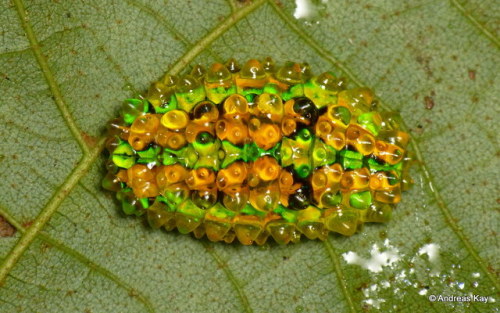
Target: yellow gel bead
[[235, 199], [171, 174], [252, 75], [395, 137], [357, 179], [360, 138], [218, 75], [140, 141], [199, 178], [281, 232], [175, 119], [380, 181], [389, 153], [145, 189], [193, 129], [267, 168], [270, 105], [267, 136], [265, 198], [235, 105], [290, 73], [234, 174], [391, 196], [344, 222], [253, 69], [288, 126], [147, 123], [216, 230], [185, 223], [247, 228], [232, 130]]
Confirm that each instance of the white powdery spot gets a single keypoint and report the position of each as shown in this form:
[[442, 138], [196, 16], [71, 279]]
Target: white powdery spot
[[306, 8], [303, 9], [378, 258], [374, 302], [432, 251]]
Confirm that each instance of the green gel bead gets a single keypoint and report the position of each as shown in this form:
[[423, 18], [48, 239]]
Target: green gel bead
[[144, 202], [351, 159], [322, 154], [173, 199], [208, 161], [189, 92], [322, 90], [207, 148], [122, 194], [219, 211], [186, 156], [343, 114], [361, 200], [378, 212], [250, 210], [286, 152], [268, 65], [128, 208], [232, 153], [303, 171], [167, 106], [272, 89], [371, 121], [168, 158], [219, 83], [330, 199], [124, 156], [189, 208], [149, 155], [305, 68], [293, 92], [250, 93], [250, 152], [218, 94], [376, 167], [132, 108], [286, 214]]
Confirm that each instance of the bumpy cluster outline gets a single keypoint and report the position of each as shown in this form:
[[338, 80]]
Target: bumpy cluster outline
[[256, 152]]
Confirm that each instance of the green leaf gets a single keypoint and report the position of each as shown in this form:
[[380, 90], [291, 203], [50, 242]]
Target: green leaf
[[65, 67]]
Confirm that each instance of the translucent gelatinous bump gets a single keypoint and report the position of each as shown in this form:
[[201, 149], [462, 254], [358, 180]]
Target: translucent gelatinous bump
[[175, 119], [258, 152]]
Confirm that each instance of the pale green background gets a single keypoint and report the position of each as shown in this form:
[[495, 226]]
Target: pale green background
[[65, 66]]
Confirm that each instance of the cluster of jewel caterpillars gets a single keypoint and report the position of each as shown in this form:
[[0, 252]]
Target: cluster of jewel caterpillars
[[254, 152]]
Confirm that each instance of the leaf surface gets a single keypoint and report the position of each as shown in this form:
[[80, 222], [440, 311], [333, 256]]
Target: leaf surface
[[65, 66]]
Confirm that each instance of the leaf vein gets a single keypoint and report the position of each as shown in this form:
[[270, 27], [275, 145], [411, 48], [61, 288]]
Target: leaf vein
[[475, 22], [230, 276], [49, 76], [48, 210], [82, 259], [340, 274], [210, 37]]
